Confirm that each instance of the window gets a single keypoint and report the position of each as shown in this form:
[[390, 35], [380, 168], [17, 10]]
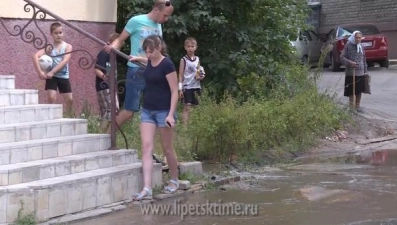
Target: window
[[307, 35], [342, 32]]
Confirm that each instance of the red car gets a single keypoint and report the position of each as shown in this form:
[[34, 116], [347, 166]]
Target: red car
[[374, 43]]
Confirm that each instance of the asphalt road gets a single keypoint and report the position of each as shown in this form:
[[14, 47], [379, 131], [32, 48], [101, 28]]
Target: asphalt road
[[381, 104]]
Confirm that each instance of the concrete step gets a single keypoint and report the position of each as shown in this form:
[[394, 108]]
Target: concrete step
[[42, 129], [7, 82], [68, 194], [25, 151], [55, 167], [30, 113], [18, 97]]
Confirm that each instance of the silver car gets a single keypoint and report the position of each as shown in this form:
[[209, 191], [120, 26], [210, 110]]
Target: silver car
[[307, 47]]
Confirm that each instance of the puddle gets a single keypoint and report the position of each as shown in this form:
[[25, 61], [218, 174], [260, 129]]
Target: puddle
[[360, 192]]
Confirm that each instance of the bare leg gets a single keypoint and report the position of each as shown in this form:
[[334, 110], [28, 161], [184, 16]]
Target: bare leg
[[105, 125], [185, 114], [167, 143], [148, 132], [68, 98], [51, 96], [123, 117]]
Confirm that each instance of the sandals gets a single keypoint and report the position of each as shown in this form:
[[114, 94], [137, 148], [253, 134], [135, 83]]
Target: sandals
[[147, 196], [171, 190]]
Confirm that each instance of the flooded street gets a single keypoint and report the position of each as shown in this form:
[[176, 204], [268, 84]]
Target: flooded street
[[362, 191]]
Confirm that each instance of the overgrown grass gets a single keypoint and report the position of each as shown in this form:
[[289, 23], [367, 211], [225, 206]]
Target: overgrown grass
[[191, 177], [262, 131], [258, 130]]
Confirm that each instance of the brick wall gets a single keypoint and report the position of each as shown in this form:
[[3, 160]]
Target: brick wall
[[352, 11], [16, 59], [382, 13]]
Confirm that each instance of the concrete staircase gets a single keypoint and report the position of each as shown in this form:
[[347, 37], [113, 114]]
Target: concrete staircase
[[53, 165]]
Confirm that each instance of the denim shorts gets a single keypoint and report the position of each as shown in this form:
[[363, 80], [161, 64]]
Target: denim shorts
[[156, 117], [134, 86]]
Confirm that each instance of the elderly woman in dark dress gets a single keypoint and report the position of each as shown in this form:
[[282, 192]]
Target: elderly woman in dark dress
[[353, 57]]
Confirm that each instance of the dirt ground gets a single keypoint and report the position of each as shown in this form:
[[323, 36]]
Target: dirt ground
[[353, 137]]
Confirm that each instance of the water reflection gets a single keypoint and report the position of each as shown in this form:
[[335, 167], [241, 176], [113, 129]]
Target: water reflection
[[369, 196]]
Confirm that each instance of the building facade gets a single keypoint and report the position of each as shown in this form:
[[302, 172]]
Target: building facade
[[383, 14], [98, 17]]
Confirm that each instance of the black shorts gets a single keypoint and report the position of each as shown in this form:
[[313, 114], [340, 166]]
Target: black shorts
[[56, 83], [190, 96]]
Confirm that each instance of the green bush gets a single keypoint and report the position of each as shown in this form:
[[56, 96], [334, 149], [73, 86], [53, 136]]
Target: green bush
[[258, 130], [258, 104], [249, 130], [237, 40]]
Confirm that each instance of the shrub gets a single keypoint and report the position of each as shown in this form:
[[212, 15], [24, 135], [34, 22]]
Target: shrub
[[258, 130], [263, 128]]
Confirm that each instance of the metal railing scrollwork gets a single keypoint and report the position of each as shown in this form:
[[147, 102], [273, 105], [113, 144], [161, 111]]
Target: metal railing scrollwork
[[85, 62]]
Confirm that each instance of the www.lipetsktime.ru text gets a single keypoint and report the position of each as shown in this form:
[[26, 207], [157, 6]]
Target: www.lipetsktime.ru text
[[200, 209]]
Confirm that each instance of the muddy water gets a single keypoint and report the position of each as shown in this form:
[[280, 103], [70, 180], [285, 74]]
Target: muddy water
[[362, 192]]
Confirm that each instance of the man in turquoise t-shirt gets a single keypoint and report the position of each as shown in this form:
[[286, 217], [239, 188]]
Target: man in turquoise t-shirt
[[138, 28]]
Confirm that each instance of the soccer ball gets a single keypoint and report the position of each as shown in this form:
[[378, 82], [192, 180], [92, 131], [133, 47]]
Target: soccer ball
[[45, 63], [201, 71]]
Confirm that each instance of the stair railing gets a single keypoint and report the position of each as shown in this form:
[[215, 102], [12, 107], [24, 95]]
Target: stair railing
[[28, 36]]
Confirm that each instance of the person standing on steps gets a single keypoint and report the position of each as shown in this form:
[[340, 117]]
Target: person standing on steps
[[102, 87], [137, 29], [353, 57], [58, 77], [160, 99]]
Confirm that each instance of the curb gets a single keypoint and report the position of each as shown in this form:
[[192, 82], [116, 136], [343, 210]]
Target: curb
[[392, 61], [118, 206]]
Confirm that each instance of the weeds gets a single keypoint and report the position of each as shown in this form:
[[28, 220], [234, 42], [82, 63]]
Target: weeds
[[259, 130], [25, 219], [264, 130], [191, 177], [256, 131]]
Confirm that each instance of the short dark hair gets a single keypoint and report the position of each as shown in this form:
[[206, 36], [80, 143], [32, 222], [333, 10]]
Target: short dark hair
[[55, 26]]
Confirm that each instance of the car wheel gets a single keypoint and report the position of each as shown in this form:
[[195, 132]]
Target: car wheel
[[384, 63], [334, 65]]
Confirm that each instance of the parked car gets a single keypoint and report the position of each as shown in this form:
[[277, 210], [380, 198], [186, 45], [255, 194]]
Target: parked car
[[307, 45], [374, 43]]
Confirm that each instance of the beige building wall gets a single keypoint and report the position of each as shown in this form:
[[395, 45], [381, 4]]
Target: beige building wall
[[78, 10]]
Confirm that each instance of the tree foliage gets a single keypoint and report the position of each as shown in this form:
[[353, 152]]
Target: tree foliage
[[259, 103], [243, 44]]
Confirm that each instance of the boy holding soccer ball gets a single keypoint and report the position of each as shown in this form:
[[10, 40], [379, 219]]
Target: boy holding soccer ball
[[191, 73], [57, 77]]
